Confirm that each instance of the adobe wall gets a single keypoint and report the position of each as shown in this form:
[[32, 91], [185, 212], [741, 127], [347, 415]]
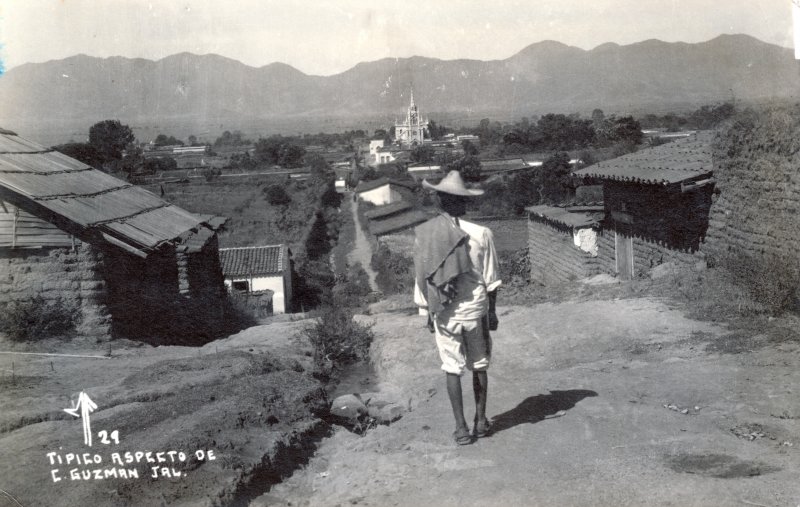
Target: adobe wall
[[73, 277], [553, 256], [167, 298], [757, 168]]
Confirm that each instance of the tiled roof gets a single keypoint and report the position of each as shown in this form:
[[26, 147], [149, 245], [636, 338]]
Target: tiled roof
[[398, 222], [674, 162], [253, 260], [563, 217], [366, 186], [388, 209], [86, 202], [503, 164]]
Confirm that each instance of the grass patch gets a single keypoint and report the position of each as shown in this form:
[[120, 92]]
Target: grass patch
[[36, 319]]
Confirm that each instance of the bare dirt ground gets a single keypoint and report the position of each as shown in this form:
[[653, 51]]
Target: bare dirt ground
[[606, 402], [248, 399], [607, 398]]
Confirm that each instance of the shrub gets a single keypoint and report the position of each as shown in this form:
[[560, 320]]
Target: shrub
[[337, 339], [36, 319], [394, 273], [277, 195], [515, 266], [352, 288], [210, 174]]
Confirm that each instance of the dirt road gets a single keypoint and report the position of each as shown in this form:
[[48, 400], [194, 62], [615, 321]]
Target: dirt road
[[650, 417], [361, 250]]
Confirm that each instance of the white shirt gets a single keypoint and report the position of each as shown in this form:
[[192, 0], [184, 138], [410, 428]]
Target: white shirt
[[471, 301]]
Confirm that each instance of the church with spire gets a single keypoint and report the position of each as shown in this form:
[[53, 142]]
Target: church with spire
[[411, 131]]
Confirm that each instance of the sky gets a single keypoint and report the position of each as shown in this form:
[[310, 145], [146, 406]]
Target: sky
[[325, 37]]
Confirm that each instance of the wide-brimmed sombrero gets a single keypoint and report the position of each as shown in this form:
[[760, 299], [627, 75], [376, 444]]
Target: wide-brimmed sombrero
[[453, 184]]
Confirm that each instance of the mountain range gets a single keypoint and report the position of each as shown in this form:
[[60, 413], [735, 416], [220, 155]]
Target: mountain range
[[544, 77]]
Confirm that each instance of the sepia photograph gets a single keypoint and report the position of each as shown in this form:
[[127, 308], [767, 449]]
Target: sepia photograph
[[331, 253]]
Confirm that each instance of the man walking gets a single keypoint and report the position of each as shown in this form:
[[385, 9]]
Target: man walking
[[456, 282]]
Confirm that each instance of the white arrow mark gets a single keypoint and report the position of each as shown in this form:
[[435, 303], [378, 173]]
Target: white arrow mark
[[86, 406]]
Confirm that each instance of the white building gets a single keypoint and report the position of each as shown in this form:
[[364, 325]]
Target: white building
[[411, 131], [380, 191], [374, 147], [257, 268]]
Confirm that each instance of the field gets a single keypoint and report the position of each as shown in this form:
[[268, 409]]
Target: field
[[252, 220], [510, 234]]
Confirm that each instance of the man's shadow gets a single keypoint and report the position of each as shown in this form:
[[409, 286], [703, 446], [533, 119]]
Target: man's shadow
[[537, 408]]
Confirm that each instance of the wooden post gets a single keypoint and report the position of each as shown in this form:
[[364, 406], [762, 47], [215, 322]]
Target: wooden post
[[14, 229]]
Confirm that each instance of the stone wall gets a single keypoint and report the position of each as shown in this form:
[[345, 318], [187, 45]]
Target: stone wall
[[73, 277], [553, 256]]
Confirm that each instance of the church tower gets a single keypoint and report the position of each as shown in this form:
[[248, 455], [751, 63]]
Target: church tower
[[411, 131]]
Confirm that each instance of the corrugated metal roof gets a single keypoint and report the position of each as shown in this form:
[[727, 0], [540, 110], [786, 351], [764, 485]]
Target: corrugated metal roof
[[253, 260], [564, 217], [92, 201], [674, 162], [388, 209]]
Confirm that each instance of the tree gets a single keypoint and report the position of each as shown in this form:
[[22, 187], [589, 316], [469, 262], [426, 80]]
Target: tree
[[436, 131], [163, 140], [469, 167], [192, 140], [628, 130], [469, 148], [110, 138], [84, 152], [291, 156], [422, 154], [556, 178]]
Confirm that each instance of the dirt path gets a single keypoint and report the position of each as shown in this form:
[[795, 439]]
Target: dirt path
[[361, 252], [621, 372]]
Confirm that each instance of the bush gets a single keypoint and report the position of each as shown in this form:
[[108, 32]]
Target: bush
[[337, 339], [210, 174], [515, 266], [36, 319], [394, 273], [352, 288], [277, 195]]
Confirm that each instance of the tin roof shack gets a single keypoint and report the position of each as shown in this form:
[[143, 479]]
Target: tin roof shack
[[255, 269], [563, 242], [132, 264], [657, 203]]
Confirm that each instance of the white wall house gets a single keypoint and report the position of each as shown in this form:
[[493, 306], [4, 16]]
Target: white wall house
[[378, 192], [258, 268], [374, 146]]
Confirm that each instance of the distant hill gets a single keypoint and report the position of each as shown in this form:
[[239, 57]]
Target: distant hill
[[546, 76]]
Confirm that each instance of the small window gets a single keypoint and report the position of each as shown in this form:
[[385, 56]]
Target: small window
[[241, 286]]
